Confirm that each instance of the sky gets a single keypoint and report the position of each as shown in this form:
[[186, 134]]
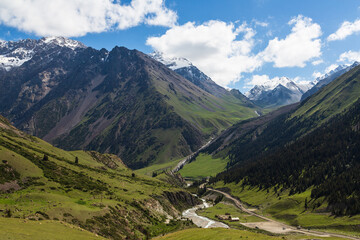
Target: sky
[[238, 43]]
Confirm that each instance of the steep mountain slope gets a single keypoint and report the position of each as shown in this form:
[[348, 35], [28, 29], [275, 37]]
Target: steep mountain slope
[[120, 102], [335, 98], [251, 138], [93, 191], [326, 160], [327, 78], [312, 146], [279, 92]]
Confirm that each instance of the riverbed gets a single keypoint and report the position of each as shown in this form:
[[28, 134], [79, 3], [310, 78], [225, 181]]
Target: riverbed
[[201, 221]]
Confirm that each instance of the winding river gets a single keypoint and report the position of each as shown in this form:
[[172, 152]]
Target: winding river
[[201, 221]]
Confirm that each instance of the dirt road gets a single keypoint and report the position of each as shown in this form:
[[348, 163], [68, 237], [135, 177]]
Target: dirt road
[[277, 227]]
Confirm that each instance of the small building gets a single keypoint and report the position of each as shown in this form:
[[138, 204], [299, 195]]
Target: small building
[[235, 219], [223, 217]]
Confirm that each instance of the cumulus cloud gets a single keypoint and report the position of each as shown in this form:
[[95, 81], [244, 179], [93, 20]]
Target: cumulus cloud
[[79, 17], [300, 46], [346, 29], [222, 50], [349, 57]]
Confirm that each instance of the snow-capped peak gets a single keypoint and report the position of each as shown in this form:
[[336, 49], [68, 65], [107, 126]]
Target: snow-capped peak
[[15, 53], [270, 84], [63, 42], [296, 88], [171, 62]]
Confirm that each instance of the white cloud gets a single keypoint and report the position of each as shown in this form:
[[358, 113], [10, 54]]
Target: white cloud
[[214, 47], [79, 17], [317, 62], [346, 29], [261, 24], [224, 51], [261, 80], [300, 46], [349, 57]]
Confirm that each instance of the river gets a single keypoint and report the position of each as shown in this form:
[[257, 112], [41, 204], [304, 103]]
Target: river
[[201, 221]]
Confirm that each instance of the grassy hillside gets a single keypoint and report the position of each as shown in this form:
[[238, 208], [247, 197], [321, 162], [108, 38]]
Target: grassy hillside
[[13, 229], [93, 191]]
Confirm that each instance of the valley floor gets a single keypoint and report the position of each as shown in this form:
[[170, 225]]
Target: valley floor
[[276, 227]]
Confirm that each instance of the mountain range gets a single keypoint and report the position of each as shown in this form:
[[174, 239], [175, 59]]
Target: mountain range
[[120, 101], [278, 92]]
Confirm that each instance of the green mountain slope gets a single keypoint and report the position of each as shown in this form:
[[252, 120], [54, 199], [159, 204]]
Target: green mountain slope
[[299, 164], [336, 97], [250, 139], [93, 191]]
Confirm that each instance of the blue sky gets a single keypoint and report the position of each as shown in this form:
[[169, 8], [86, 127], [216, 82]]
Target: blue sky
[[237, 43]]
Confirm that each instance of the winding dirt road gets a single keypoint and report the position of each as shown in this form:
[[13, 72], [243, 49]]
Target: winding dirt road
[[273, 224]]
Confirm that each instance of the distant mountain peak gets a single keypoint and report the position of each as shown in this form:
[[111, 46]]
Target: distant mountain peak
[[278, 91], [171, 62], [63, 42]]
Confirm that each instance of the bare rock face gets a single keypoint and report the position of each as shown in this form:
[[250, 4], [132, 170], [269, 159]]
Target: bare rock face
[[182, 200]]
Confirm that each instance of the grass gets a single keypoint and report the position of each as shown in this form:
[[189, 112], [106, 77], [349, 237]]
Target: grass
[[12, 229], [203, 166], [291, 209], [158, 167], [86, 158], [21, 164]]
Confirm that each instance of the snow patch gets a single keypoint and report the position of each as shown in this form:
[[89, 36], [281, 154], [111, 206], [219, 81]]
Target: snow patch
[[172, 63], [63, 42]]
